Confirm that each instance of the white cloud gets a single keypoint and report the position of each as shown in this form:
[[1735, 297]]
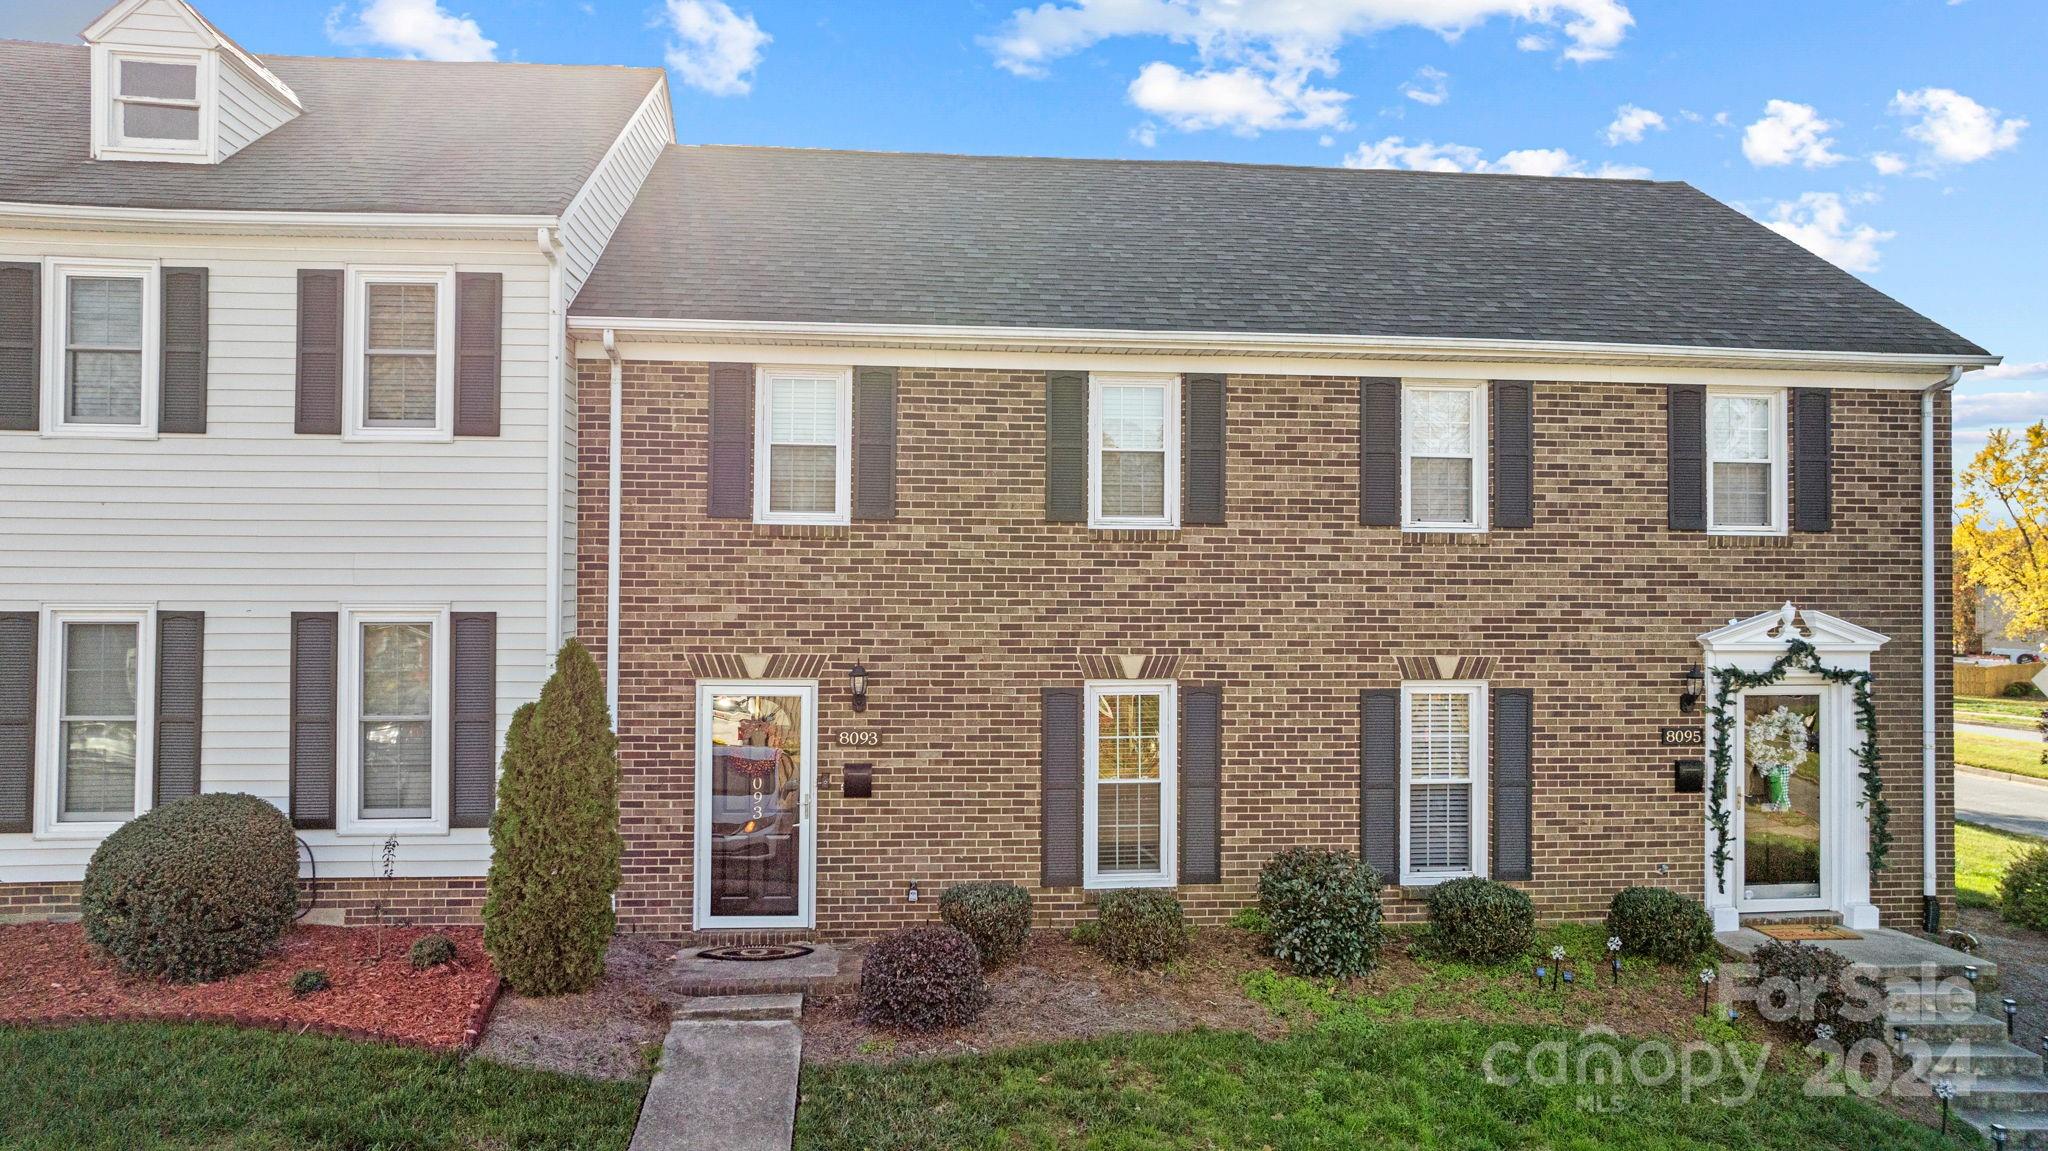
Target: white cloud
[[1243, 100], [1630, 122], [415, 29], [1888, 163], [1145, 135], [1789, 133], [1955, 128], [715, 48], [1427, 156], [1819, 222], [1533, 43], [2035, 370], [1431, 86], [2000, 407]]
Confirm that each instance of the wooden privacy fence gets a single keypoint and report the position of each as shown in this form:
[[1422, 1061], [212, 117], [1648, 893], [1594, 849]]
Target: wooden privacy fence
[[1978, 679]]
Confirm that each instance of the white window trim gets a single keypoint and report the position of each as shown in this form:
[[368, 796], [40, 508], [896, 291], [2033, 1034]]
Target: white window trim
[[1168, 692], [842, 511], [356, 322], [348, 735], [57, 272], [1169, 519], [1482, 722], [107, 141], [700, 836], [49, 821], [1482, 442], [1780, 483]]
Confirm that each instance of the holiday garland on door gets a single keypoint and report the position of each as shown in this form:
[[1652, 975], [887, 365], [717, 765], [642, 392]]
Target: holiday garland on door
[[1731, 682]]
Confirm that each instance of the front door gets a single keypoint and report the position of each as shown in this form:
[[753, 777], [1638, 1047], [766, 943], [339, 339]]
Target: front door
[[756, 769], [1787, 779]]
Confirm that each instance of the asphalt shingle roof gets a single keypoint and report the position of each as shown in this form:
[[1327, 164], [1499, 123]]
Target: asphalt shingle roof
[[732, 233], [376, 136]]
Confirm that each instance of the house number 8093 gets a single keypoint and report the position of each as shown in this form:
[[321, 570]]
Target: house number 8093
[[865, 737]]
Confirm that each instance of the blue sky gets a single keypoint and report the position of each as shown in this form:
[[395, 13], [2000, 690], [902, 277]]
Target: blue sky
[[1897, 137]]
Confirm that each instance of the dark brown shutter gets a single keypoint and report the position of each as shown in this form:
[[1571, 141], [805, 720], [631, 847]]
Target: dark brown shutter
[[17, 721], [1513, 738], [1059, 787], [1513, 453], [1813, 463], [1066, 447], [1203, 450], [319, 353], [180, 701], [316, 638], [21, 365], [1201, 785], [1686, 450], [479, 358], [874, 443], [473, 730], [1379, 781], [1379, 452], [732, 441], [182, 408]]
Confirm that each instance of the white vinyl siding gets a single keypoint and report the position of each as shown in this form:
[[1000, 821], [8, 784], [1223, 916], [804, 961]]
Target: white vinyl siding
[[1130, 763], [1746, 448], [1443, 457], [1443, 781], [591, 218], [803, 458], [399, 382], [102, 364], [1133, 451]]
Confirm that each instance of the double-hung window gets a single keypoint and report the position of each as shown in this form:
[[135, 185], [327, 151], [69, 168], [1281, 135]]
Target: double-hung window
[[1443, 456], [1134, 451], [1443, 781], [1128, 803], [1746, 462], [158, 102], [401, 369], [101, 667], [803, 464], [102, 365], [395, 737]]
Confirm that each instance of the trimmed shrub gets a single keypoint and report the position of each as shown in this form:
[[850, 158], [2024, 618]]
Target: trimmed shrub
[[1817, 991], [1087, 933], [1660, 923], [922, 979], [310, 981], [2021, 689], [1479, 921], [2023, 891], [196, 890], [431, 951], [1323, 908], [1141, 928], [996, 916], [555, 837]]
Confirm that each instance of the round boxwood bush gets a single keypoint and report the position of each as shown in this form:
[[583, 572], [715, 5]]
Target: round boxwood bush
[[996, 916], [2023, 892], [431, 951], [922, 979], [1324, 911], [196, 890], [309, 981], [1660, 923], [1141, 928], [1479, 921]]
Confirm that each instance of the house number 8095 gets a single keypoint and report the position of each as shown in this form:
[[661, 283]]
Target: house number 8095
[[865, 737]]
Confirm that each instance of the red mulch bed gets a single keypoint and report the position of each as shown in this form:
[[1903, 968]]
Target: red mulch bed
[[50, 976]]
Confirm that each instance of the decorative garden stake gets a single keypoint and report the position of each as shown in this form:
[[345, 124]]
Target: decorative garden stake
[[1557, 958], [1706, 986], [1614, 957], [1823, 1032], [390, 867], [1944, 1090], [2012, 1015]]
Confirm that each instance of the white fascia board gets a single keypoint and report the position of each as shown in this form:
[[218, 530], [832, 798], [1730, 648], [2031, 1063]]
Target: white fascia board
[[244, 222]]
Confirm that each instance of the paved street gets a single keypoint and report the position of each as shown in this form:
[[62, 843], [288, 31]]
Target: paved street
[[1998, 732], [2007, 802]]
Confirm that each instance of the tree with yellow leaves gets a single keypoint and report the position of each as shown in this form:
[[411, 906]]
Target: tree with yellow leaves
[[2001, 538]]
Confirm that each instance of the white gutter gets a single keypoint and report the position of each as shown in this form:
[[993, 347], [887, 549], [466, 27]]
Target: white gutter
[[1930, 876], [611, 567], [15, 212], [550, 242]]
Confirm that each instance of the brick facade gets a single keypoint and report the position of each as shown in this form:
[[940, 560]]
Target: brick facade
[[969, 603], [348, 902]]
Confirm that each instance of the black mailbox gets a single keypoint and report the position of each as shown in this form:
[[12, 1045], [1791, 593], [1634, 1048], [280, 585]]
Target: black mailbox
[[1689, 776], [859, 781]]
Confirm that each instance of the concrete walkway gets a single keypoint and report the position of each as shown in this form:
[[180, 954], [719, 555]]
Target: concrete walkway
[[727, 1078], [1999, 799]]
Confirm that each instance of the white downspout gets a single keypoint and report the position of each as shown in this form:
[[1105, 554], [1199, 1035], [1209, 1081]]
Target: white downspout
[[611, 567], [550, 249], [1930, 878]]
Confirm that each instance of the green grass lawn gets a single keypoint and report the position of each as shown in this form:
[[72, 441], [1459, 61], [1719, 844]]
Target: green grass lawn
[[2020, 714], [1982, 856], [1401, 1084], [180, 1086], [2018, 756]]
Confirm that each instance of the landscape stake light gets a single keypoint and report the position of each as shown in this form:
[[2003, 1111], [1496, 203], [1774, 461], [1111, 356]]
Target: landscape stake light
[[1998, 1136], [1944, 1090], [1614, 957], [2012, 1015], [1706, 986], [1557, 971], [1970, 973]]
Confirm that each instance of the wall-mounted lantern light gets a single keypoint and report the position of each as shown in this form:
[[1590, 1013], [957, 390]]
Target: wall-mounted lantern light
[[859, 682], [1695, 682]]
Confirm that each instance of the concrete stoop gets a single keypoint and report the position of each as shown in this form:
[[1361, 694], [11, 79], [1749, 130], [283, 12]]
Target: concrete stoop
[[728, 1077], [826, 968]]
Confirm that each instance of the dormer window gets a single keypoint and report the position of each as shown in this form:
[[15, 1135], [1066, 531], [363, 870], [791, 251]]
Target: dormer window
[[156, 103], [168, 88]]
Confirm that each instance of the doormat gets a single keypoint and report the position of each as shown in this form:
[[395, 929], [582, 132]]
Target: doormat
[[759, 953], [1804, 932]]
